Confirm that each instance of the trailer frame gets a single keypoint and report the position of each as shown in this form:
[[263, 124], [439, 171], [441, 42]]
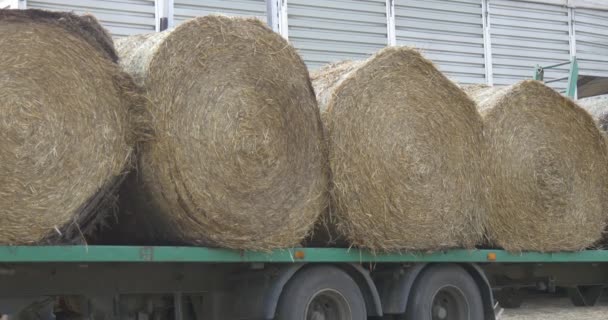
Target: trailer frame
[[112, 277]]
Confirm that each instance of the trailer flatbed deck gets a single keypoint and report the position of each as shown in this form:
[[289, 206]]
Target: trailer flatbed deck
[[304, 255]]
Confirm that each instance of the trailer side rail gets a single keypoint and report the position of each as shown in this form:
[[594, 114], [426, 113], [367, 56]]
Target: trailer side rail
[[16, 254]]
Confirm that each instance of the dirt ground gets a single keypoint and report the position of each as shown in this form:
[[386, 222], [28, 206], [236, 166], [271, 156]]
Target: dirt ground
[[555, 308]]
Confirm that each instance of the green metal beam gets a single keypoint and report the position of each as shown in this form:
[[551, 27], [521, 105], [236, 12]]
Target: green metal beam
[[91, 254], [572, 79], [539, 74]]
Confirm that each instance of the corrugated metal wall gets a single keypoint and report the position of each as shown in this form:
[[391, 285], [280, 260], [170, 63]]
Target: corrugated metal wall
[[331, 30], [120, 17], [449, 32], [591, 30], [524, 34], [186, 9]]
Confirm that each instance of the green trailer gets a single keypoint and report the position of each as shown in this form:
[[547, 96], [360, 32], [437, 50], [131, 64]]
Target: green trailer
[[136, 282], [197, 283]]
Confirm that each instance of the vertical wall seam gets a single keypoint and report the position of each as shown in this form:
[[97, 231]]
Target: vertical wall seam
[[158, 9], [272, 15], [170, 13], [572, 30], [283, 19], [487, 41], [572, 38], [276, 13], [390, 23]]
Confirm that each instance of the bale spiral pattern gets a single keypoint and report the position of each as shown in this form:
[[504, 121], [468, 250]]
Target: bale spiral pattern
[[548, 179], [238, 159], [65, 126], [404, 152]]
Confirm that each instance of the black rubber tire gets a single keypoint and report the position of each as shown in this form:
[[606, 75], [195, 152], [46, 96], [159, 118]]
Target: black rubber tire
[[305, 285], [432, 280]]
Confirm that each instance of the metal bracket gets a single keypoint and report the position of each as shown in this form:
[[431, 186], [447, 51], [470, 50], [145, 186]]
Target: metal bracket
[[539, 74], [164, 23], [585, 296]]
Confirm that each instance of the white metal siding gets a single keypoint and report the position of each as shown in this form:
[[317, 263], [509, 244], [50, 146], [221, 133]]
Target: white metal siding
[[187, 9], [524, 34], [9, 4], [120, 17], [449, 32], [591, 30], [331, 30]]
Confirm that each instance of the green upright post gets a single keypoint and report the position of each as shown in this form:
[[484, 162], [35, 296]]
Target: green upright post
[[572, 78]]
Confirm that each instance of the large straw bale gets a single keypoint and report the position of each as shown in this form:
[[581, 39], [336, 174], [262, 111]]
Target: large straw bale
[[238, 158], [597, 106], [548, 179], [405, 153], [65, 126]]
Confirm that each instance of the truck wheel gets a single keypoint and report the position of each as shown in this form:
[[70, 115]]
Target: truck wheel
[[445, 292], [321, 293]]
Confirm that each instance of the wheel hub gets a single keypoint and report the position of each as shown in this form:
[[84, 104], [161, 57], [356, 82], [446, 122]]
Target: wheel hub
[[449, 303], [328, 304], [440, 312]]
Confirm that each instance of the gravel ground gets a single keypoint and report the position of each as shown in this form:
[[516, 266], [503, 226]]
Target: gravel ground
[[555, 308]]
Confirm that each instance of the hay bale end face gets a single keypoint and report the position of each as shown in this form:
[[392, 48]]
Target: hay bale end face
[[548, 177], [405, 153], [238, 160], [65, 136]]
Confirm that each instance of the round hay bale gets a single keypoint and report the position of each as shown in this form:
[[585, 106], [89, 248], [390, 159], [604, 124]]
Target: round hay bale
[[598, 108], [405, 153], [65, 126], [548, 179], [238, 160]]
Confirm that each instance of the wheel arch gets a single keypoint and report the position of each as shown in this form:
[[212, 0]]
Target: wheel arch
[[356, 272], [367, 286], [485, 289], [271, 288]]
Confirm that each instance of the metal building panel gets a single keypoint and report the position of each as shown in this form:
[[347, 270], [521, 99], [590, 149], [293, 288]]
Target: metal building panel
[[9, 4], [326, 31], [591, 33], [187, 9], [449, 32], [524, 34], [120, 17]]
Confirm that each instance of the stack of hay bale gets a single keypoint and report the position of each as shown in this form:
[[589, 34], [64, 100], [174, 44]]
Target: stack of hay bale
[[241, 159], [411, 171], [66, 126], [548, 173]]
